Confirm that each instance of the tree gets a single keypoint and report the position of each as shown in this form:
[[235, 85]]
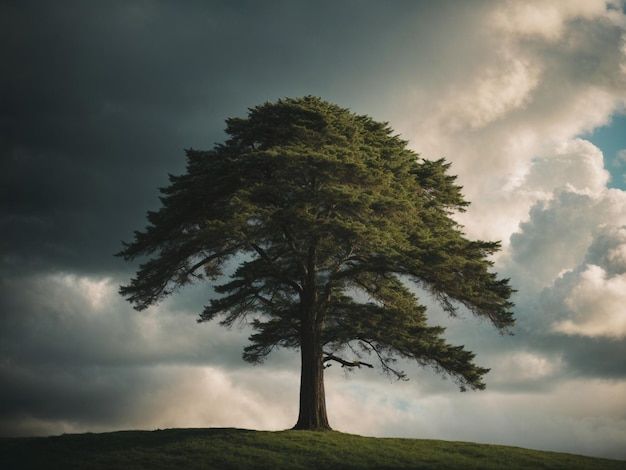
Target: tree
[[328, 219]]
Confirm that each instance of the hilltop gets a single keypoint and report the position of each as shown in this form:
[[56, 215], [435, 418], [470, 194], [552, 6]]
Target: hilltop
[[229, 448]]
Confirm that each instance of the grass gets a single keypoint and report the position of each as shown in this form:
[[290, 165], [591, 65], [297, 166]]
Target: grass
[[226, 449]]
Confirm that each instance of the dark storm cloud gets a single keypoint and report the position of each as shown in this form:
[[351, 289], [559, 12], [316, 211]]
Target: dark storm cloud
[[101, 99], [80, 146], [592, 358], [77, 394], [65, 320], [74, 352]]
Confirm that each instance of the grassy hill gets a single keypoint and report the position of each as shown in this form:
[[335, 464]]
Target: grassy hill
[[241, 449]]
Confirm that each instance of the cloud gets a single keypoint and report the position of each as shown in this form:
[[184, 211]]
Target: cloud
[[608, 249], [502, 88], [570, 303], [525, 370], [592, 296], [575, 164], [595, 305], [546, 20], [521, 109], [558, 232], [563, 420], [90, 398], [75, 338], [70, 320]]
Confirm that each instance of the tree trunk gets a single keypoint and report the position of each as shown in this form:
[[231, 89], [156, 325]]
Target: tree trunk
[[312, 415]]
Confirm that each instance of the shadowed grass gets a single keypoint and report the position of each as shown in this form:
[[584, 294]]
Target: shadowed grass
[[242, 449]]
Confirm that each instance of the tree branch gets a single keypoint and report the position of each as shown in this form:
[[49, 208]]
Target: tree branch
[[264, 255], [344, 363], [400, 375], [191, 270]]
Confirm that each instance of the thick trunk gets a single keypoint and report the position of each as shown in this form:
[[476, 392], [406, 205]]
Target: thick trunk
[[312, 415]]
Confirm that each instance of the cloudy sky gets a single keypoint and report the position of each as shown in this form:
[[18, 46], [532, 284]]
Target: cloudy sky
[[527, 99]]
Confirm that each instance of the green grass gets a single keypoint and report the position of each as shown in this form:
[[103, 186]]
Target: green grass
[[241, 449]]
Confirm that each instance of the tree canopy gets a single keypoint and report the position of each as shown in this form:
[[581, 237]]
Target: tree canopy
[[328, 220]]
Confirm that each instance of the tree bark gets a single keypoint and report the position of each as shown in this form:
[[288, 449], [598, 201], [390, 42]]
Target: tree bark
[[312, 414]]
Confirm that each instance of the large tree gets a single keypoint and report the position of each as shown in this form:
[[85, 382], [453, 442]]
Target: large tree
[[329, 221]]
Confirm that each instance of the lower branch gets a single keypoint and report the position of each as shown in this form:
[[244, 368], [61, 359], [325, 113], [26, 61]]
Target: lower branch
[[331, 357], [400, 375]]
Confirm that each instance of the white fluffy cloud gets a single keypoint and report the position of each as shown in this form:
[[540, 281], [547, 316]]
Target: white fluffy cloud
[[546, 20], [558, 233], [596, 305], [575, 164], [555, 72], [591, 298], [503, 87]]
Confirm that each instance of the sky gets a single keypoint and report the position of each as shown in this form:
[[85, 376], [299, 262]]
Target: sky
[[526, 99]]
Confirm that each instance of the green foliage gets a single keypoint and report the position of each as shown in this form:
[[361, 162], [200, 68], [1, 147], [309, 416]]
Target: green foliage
[[329, 218], [225, 449]]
